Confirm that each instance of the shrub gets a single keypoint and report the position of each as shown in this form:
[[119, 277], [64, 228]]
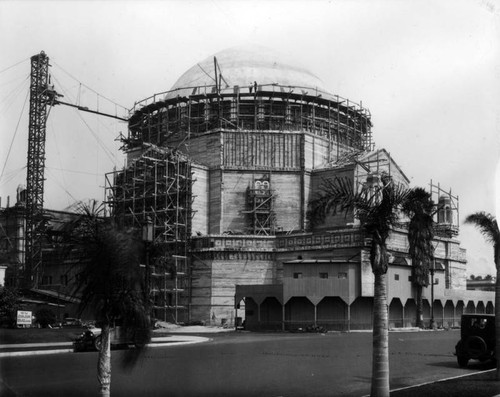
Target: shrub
[[45, 317], [8, 306]]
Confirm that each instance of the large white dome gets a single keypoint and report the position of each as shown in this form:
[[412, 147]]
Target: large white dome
[[242, 66]]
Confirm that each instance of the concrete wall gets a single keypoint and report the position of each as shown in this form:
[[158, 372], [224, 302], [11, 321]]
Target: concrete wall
[[342, 280], [214, 285], [200, 190]]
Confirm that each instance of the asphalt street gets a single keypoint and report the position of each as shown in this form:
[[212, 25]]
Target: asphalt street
[[249, 364]]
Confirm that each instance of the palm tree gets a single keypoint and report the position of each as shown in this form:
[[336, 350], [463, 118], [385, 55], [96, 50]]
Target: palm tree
[[419, 207], [488, 226], [110, 284], [376, 207]]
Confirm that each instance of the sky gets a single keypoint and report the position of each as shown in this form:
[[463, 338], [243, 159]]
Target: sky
[[428, 71]]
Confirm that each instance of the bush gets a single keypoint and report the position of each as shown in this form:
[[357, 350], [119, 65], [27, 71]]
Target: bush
[[8, 306], [45, 317]]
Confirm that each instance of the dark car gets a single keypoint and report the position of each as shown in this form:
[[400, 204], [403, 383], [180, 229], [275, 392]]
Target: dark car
[[477, 338], [72, 322], [91, 339]]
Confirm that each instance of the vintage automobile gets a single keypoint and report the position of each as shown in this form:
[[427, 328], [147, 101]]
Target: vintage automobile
[[91, 339], [477, 338], [71, 322]]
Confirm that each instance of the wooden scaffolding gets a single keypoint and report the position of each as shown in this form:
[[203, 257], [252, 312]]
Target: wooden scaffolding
[[156, 189]]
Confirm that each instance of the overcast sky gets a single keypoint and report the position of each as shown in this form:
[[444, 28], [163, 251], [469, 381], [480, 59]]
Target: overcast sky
[[429, 72]]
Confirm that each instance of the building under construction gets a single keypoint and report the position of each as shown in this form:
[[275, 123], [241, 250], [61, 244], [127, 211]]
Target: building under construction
[[223, 166]]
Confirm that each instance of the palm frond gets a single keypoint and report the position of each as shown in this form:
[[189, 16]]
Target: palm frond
[[376, 207], [487, 225], [335, 195], [108, 258], [418, 201]]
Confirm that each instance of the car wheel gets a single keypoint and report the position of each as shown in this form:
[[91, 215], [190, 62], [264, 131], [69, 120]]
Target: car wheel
[[98, 343], [475, 347], [462, 361]]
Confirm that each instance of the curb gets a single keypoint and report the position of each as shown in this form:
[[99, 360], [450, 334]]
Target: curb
[[176, 340]]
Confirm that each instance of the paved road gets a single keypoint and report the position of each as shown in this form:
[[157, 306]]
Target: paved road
[[245, 364]]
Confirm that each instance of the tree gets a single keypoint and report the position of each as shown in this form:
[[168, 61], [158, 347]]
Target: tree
[[110, 283], [488, 226], [9, 304], [419, 208], [45, 317], [377, 207]]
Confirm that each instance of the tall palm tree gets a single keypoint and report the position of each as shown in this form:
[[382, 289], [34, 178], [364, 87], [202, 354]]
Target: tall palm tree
[[110, 284], [488, 226], [419, 207], [377, 208]]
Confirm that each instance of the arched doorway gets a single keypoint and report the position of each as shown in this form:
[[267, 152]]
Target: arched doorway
[[449, 314], [299, 313], [426, 311], [271, 314], [470, 308], [396, 313], [438, 313], [410, 319], [331, 313], [251, 314], [362, 313]]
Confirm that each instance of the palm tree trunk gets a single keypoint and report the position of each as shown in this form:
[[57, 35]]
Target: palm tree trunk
[[380, 360], [497, 311], [420, 309], [104, 363]]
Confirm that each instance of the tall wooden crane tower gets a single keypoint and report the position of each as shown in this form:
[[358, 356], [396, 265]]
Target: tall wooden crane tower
[[42, 97]]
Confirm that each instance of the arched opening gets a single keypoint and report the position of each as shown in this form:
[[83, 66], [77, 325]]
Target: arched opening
[[396, 313], [362, 313], [459, 310], [299, 313], [331, 314], [426, 311], [490, 309], [449, 314], [410, 319], [470, 308], [239, 319], [251, 314], [270, 314], [480, 307], [438, 313]]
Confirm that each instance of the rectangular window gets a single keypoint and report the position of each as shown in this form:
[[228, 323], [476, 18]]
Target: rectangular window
[[396, 277], [323, 275], [342, 275], [297, 275]]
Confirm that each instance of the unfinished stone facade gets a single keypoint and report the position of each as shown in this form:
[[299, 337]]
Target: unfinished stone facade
[[257, 135]]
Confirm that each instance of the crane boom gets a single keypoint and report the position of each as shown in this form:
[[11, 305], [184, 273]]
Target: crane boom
[[86, 109]]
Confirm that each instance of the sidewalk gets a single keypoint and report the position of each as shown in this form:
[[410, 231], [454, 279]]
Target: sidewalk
[[478, 384]]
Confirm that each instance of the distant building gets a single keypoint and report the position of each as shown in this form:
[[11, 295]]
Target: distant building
[[482, 284], [56, 277]]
